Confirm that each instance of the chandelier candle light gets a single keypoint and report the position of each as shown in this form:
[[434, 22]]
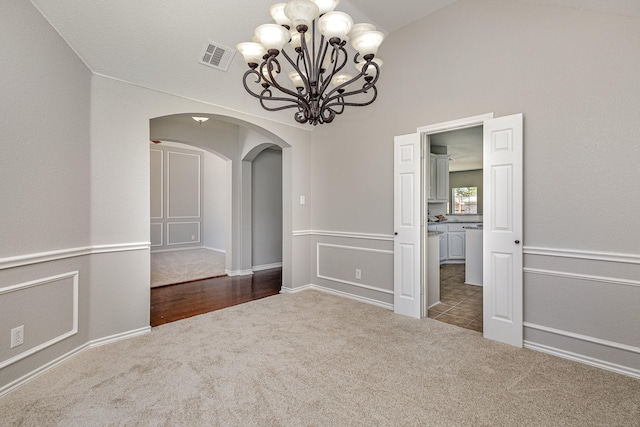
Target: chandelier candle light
[[319, 87]]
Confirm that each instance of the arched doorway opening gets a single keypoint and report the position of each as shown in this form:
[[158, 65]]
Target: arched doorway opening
[[241, 144]]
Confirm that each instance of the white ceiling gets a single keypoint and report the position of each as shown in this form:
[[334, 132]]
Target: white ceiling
[[157, 44], [464, 148]]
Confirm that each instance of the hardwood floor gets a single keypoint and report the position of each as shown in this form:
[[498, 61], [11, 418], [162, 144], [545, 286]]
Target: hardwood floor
[[175, 302]]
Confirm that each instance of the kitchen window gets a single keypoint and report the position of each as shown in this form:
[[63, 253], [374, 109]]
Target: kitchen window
[[465, 200]]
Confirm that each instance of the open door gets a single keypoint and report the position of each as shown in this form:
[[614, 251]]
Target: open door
[[406, 218], [502, 236]]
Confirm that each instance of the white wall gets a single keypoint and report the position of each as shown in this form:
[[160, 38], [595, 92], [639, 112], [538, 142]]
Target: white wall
[[573, 74]]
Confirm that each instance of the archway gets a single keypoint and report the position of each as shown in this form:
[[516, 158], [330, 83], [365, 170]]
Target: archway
[[240, 142]]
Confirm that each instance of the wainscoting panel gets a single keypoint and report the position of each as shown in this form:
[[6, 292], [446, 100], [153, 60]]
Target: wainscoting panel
[[340, 258], [183, 232], [584, 306], [156, 158], [183, 185], [46, 307]]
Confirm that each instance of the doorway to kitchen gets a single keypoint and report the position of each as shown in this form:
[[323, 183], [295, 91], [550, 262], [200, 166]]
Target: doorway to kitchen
[[414, 286], [454, 212]]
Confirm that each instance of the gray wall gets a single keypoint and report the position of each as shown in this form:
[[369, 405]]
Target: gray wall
[[45, 191], [177, 197], [467, 179], [266, 206], [75, 179], [216, 202], [573, 74]]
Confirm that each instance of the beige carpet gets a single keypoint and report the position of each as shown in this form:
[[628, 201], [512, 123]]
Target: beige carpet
[[183, 266], [313, 359]]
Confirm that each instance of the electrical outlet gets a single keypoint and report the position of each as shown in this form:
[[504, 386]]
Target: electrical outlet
[[358, 273], [17, 336]]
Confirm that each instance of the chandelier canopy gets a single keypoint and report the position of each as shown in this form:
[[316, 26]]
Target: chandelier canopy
[[319, 87]]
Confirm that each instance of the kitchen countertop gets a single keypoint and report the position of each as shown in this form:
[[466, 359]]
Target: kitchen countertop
[[434, 233], [472, 227]]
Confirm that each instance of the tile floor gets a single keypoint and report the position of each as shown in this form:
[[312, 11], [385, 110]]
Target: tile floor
[[460, 304]]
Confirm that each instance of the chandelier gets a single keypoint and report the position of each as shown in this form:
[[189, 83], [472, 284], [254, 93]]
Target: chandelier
[[319, 86]]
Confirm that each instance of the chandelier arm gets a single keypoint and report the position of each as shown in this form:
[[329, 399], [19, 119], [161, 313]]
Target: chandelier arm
[[336, 69], [296, 68], [365, 87], [306, 60], [330, 102], [273, 81], [296, 102]]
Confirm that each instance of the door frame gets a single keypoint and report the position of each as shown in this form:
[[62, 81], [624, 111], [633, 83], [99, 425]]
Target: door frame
[[424, 132]]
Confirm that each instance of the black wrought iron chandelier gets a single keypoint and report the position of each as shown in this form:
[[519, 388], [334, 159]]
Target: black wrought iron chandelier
[[319, 87]]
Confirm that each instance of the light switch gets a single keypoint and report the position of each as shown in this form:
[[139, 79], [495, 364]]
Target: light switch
[[302, 200]]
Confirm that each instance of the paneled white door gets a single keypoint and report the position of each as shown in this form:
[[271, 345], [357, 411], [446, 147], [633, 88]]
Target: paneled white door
[[502, 235], [406, 218]]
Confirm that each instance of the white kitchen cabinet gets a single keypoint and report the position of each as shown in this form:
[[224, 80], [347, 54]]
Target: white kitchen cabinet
[[455, 244], [438, 178]]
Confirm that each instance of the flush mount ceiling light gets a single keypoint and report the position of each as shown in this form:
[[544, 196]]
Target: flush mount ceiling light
[[200, 119], [319, 87]]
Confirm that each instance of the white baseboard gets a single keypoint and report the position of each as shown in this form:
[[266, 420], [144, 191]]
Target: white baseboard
[[337, 293], [222, 251], [592, 361], [65, 357], [266, 266], [238, 272]]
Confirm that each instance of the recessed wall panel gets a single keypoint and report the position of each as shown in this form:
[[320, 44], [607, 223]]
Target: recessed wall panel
[[47, 308], [157, 183], [183, 182], [183, 232]]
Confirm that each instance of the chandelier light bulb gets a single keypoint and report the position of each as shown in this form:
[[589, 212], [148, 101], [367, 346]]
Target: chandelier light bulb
[[367, 43], [301, 13], [326, 5], [272, 36], [297, 81], [335, 25], [277, 13], [252, 52], [358, 29]]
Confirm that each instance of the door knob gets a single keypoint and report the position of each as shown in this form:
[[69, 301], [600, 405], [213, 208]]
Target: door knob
[[517, 242], [396, 233]]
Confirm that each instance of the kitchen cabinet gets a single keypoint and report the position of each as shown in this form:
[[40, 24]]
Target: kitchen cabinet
[[455, 244], [438, 178]]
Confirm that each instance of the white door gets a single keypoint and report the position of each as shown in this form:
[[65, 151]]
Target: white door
[[502, 236], [406, 218]]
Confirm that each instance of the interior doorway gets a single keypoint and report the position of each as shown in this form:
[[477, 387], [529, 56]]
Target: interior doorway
[[502, 224], [456, 215]]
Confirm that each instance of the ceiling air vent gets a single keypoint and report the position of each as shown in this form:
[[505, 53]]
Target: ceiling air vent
[[217, 56]]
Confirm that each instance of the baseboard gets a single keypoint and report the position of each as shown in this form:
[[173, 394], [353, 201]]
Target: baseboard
[[592, 361], [337, 293], [266, 266], [65, 357], [222, 251], [238, 272]]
